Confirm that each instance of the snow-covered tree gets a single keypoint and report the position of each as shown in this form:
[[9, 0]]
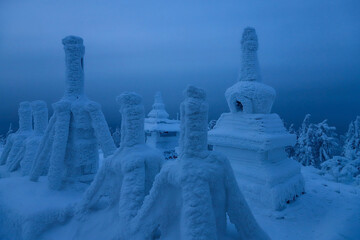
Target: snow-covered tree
[[302, 149], [351, 147], [325, 142], [316, 143], [342, 169]]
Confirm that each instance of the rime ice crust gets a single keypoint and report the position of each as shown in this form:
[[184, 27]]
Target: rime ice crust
[[192, 195], [40, 116], [249, 95], [253, 139], [15, 144], [68, 153], [126, 177]]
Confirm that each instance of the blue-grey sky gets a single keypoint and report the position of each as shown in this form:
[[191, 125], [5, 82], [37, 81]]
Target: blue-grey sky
[[309, 52]]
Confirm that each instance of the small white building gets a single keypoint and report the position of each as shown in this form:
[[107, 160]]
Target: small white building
[[254, 139], [160, 131]]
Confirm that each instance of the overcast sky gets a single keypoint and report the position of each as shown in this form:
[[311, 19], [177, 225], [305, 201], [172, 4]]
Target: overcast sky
[[309, 52]]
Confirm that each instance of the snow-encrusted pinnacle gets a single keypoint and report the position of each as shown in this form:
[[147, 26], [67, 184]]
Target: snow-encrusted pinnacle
[[132, 122], [74, 57], [25, 118], [194, 119], [250, 70], [40, 113], [158, 110]]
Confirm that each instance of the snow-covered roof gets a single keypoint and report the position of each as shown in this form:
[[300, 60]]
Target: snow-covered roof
[[161, 125]]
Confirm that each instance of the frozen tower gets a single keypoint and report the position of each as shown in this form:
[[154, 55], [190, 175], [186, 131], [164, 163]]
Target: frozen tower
[[254, 139], [68, 152]]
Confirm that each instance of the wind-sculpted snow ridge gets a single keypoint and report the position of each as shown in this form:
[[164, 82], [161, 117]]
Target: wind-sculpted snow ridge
[[126, 177], [16, 141], [68, 152], [193, 195]]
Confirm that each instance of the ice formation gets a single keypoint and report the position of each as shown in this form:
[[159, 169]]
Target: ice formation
[[26, 156], [254, 139], [193, 195], [68, 152], [126, 177], [16, 141], [161, 132]]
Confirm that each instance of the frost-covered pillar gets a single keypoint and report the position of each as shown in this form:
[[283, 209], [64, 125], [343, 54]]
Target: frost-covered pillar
[[194, 117], [74, 60], [25, 118], [40, 113], [69, 151], [250, 70], [40, 116], [13, 155], [15, 140], [132, 122]]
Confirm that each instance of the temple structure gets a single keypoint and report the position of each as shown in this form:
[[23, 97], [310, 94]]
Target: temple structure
[[160, 131], [254, 139], [69, 151]]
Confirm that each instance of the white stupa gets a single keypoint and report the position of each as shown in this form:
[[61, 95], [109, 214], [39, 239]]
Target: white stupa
[[161, 132], [254, 139]]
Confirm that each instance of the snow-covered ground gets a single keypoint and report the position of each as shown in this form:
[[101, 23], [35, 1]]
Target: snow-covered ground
[[327, 211]]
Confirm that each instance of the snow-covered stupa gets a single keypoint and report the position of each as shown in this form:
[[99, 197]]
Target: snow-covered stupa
[[69, 150], [161, 132], [254, 139], [192, 196], [26, 156], [16, 141]]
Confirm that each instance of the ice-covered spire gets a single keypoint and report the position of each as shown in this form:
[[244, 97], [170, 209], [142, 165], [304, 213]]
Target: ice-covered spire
[[194, 120], [40, 113], [74, 58], [158, 110], [250, 70], [132, 122], [25, 118]]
